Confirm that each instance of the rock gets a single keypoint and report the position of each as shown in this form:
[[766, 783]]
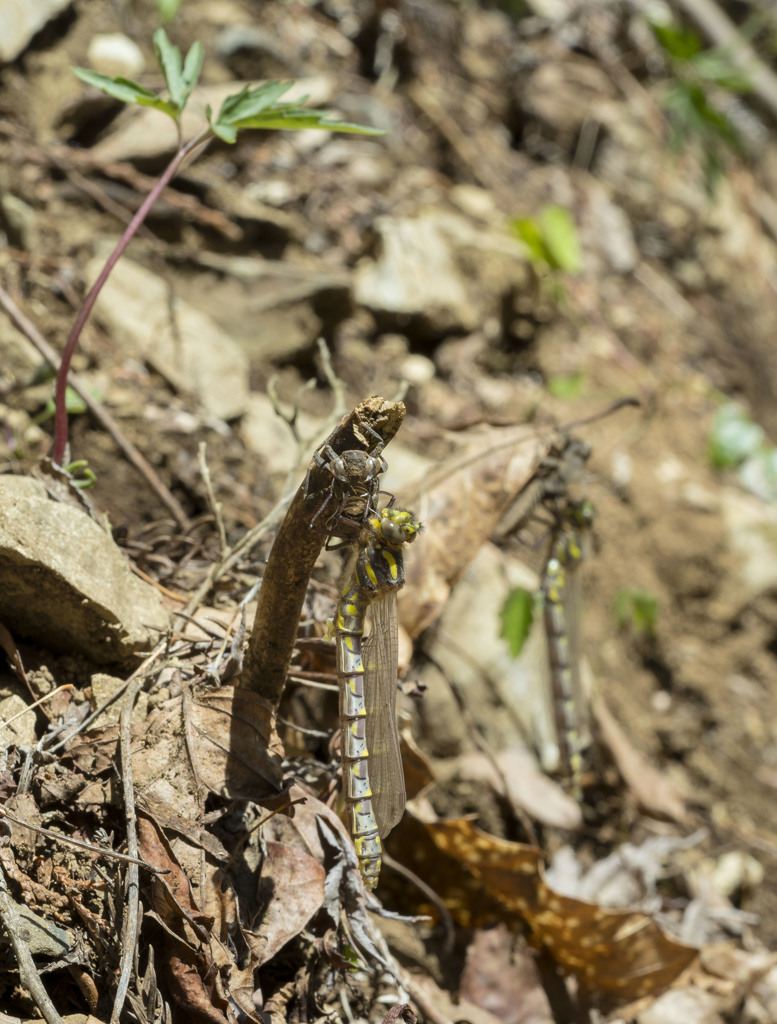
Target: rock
[[275, 308], [115, 54], [264, 432], [439, 267], [194, 354], [42, 936], [104, 687], [17, 723], [21, 19], [65, 585], [751, 526], [689, 1005], [20, 357], [22, 221]]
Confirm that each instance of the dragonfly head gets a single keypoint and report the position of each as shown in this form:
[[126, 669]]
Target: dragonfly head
[[581, 514], [396, 526]]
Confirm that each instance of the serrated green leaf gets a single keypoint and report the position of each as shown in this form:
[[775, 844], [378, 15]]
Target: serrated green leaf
[[258, 108], [225, 132], [191, 69], [126, 90], [517, 615], [169, 57], [297, 120], [250, 102], [561, 239]]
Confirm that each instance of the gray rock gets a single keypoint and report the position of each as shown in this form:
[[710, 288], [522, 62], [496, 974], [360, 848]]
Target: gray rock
[[43, 937], [194, 354], [66, 585], [21, 19], [440, 267]]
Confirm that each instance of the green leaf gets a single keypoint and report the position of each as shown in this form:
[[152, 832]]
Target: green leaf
[[84, 482], [637, 608], [517, 615], [169, 57], [126, 90], [250, 102], [678, 43], [561, 238], [191, 69], [168, 9], [528, 230], [734, 437], [74, 403], [568, 385], [258, 108], [716, 65]]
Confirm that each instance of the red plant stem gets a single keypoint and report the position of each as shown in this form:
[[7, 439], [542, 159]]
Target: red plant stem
[[60, 417]]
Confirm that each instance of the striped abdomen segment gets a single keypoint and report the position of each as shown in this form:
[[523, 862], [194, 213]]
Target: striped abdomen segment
[[562, 628], [353, 723]]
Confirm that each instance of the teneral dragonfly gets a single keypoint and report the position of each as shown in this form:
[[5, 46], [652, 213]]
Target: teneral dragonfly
[[562, 608], [559, 476], [373, 779]]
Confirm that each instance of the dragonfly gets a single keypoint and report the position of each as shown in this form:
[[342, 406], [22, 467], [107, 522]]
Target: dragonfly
[[562, 606], [373, 780], [551, 490], [353, 492]]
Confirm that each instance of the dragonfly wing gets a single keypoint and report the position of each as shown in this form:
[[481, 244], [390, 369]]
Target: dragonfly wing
[[379, 652]]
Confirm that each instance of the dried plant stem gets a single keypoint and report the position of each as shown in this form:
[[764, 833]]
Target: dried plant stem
[[60, 421], [132, 919]]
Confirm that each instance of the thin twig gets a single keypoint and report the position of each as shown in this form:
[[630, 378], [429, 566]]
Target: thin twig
[[28, 974], [59, 837], [131, 921], [214, 505], [100, 413]]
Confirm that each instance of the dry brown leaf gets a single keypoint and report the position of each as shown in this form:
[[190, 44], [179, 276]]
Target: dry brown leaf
[[291, 888], [192, 950], [233, 742], [461, 504], [419, 773], [617, 955]]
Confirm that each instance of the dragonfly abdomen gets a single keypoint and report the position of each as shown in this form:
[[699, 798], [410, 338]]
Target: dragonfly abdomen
[[353, 718], [377, 575], [571, 729]]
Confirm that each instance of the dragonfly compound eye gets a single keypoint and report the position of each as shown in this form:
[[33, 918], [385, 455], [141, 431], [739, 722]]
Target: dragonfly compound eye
[[392, 532]]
